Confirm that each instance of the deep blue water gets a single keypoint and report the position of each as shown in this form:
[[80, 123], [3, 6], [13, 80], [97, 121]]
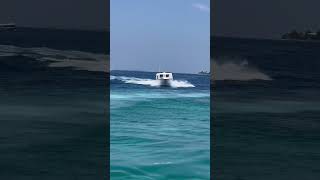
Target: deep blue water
[[159, 132], [53, 113], [265, 109]]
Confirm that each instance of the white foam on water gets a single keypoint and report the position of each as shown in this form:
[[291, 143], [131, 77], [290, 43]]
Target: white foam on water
[[78, 60], [81, 65], [181, 83], [152, 82], [195, 95], [233, 69], [162, 163], [112, 77]]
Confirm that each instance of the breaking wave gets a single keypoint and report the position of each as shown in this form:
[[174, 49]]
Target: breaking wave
[[152, 82], [237, 70]]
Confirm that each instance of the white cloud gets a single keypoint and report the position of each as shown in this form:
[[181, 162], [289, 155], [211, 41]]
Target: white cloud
[[201, 7]]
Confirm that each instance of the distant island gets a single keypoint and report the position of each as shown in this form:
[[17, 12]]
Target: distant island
[[307, 35]]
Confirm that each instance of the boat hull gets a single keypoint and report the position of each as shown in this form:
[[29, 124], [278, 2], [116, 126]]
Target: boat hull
[[165, 82]]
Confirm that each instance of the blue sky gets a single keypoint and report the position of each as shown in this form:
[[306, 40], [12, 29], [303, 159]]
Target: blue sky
[[172, 34]]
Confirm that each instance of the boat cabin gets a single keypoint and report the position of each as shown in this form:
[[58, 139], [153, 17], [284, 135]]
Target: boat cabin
[[164, 76]]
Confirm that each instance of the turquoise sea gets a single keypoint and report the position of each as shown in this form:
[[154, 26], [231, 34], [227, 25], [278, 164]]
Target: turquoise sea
[[156, 132]]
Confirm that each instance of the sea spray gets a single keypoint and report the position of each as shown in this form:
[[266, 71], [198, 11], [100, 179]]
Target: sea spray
[[230, 69], [152, 82], [78, 60]]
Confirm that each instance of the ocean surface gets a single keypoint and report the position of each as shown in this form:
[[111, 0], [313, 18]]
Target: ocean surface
[[265, 109], [53, 99], [159, 132]]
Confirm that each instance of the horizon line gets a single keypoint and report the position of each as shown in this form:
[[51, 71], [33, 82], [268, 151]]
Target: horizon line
[[156, 71], [61, 28]]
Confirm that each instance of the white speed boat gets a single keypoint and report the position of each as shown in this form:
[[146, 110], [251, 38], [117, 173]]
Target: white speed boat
[[164, 78]]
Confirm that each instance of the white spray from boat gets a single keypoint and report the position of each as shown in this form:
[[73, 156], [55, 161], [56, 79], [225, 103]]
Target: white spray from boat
[[152, 82]]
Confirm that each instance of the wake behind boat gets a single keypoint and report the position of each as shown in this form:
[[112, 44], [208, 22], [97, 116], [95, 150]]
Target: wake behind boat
[[164, 78], [8, 27]]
